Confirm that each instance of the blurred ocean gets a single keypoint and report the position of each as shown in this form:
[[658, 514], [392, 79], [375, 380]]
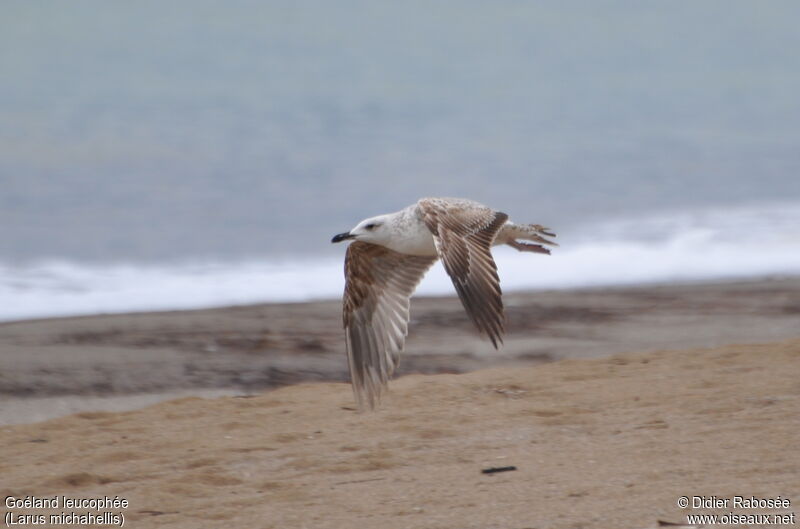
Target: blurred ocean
[[198, 153]]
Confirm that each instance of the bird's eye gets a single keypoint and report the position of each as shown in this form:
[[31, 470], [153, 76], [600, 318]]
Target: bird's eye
[[370, 226]]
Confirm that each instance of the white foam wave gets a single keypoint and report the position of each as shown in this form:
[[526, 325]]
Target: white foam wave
[[719, 244]]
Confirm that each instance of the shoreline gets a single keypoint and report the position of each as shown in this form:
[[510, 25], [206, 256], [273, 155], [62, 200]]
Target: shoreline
[[53, 367], [680, 283]]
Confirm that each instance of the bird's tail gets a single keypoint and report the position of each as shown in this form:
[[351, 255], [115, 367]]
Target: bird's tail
[[528, 232]]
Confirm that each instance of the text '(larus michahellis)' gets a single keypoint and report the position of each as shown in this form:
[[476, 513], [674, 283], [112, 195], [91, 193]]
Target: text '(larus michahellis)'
[[387, 259]]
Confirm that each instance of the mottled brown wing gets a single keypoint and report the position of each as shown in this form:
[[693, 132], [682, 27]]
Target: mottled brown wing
[[379, 283], [463, 233]]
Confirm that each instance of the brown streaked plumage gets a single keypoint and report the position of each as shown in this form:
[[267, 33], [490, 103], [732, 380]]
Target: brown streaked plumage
[[379, 283], [463, 238], [387, 260]]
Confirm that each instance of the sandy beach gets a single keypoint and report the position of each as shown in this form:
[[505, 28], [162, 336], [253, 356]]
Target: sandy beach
[[610, 404], [607, 443]]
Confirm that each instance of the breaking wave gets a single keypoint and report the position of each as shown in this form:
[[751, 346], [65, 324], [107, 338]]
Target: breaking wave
[[717, 244]]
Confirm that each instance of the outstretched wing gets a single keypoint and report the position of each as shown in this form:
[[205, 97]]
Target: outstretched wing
[[379, 283], [463, 232]]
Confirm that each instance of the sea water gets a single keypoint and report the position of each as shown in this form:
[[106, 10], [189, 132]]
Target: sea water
[[197, 153]]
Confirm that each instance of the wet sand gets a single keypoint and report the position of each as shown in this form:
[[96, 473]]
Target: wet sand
[[52, 367]]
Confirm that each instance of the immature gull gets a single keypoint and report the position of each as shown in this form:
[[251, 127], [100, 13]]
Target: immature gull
[[387, 260]]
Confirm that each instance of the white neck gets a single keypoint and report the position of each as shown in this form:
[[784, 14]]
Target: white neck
[[409, 234]]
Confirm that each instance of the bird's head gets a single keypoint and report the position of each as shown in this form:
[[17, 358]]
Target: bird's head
[[374, 230]]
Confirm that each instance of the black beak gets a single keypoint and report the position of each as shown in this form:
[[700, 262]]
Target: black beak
[[342, 237]]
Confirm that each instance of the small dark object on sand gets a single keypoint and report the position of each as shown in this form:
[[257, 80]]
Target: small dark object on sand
[[497, 469]]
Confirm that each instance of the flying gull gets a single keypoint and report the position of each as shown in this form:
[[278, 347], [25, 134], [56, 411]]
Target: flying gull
[[387, 259]]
